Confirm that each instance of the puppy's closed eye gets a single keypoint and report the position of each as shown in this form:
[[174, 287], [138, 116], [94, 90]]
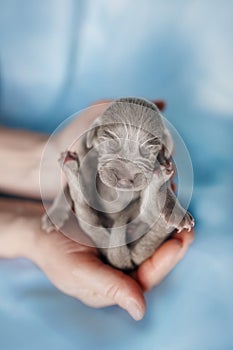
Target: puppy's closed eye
[[112, 146], [109, 141], [150, 147], [106, 134]]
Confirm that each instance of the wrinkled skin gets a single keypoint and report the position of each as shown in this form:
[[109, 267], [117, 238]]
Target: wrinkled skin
[[127, 156]]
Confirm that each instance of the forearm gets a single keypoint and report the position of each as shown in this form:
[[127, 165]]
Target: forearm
[[20, 156], [18, 234]]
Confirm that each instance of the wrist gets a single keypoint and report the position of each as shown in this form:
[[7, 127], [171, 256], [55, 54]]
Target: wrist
[[29, 239], [20, 152], [17, 237]]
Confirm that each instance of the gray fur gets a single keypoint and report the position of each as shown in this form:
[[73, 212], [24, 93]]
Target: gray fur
[[127, 148]]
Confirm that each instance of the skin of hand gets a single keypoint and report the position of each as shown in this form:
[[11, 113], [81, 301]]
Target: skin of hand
[[21, 235], [81, 273]]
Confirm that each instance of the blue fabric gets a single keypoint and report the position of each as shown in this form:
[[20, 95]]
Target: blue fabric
[[57, 57]]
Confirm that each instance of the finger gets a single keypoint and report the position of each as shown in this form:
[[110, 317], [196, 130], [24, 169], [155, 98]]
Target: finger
[[160, 104], [186, 238], [154, 269], [107, 100], [113, 285]]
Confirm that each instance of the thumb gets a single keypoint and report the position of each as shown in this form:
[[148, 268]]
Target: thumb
[[125, 292], [113, 285]]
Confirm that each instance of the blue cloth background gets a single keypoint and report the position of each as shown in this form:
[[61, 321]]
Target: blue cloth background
[[56, 58]]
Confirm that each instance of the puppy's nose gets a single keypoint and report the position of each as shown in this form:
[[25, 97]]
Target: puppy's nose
[[124, 183]]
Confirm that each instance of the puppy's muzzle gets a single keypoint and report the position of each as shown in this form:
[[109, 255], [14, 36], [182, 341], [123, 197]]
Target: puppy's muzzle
[[122, 177]]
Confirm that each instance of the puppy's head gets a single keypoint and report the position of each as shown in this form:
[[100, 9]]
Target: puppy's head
[[128, 139], [126, 155]]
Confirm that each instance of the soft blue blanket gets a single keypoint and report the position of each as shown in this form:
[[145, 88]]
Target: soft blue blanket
[[57, 57]]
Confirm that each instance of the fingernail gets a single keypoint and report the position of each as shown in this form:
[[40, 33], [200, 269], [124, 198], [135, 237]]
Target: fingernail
[[134, 310]]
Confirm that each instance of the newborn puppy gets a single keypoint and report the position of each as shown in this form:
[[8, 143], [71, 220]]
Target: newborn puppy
[[118, 158], [160, 213]]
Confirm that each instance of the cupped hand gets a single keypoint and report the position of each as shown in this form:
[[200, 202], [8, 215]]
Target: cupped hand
[[78, 270]]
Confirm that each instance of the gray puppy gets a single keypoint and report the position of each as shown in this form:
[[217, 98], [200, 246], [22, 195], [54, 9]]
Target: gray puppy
[[121, 175]]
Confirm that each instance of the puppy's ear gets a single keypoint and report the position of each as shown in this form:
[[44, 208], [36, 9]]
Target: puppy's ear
[[92, 133]]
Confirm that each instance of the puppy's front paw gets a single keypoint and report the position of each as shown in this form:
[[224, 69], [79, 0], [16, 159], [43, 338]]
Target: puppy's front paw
[[69, 159], [54, 221], [186, 223]]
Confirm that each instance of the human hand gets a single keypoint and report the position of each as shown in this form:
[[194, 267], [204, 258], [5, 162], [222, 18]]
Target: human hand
[[78, 270], [153, 270], [165, 258]]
